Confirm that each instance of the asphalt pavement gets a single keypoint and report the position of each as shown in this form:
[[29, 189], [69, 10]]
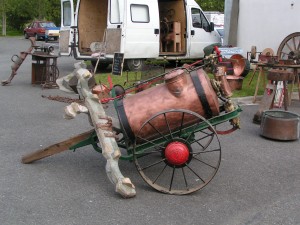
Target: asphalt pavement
[[258, 181]]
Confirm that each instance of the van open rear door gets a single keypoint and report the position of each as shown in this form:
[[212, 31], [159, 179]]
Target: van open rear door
[[67, 21], [142, 29]]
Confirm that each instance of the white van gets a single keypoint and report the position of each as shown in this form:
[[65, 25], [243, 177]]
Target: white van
[[141, 29]]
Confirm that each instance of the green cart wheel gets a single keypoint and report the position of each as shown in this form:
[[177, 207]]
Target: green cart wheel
[[177, 152]]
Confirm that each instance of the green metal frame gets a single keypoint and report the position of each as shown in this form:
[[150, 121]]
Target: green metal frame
[[188, 131]]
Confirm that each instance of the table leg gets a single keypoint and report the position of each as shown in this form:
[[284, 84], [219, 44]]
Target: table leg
[[260, 74]]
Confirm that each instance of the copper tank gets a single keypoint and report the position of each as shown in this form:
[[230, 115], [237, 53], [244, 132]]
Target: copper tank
[[181, 90]]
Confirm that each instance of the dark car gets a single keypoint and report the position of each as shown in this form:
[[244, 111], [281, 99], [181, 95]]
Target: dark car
[[38, 29]]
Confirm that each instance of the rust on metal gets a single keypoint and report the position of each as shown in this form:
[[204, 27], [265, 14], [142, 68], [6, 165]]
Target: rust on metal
[[18, 60]]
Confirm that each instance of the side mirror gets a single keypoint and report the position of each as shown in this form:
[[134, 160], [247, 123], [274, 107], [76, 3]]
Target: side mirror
[[212, 26]]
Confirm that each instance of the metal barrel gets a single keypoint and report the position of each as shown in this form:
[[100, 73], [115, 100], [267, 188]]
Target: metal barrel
[[181, 90]]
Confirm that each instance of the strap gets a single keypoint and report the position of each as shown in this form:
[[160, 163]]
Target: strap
[[124, 120], [201, 94]]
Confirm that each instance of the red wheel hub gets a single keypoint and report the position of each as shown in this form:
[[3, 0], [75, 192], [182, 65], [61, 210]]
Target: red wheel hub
[[177, 153]]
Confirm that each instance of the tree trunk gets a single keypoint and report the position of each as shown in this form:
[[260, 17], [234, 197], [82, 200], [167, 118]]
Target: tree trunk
[[3, 23]]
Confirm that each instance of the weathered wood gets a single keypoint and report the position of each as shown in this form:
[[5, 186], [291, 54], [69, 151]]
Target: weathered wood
[[109, 146], [55, 148]]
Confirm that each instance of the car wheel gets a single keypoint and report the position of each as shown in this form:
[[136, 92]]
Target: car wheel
[[26, 35], [36, 37], [101, 65], [134, 64]]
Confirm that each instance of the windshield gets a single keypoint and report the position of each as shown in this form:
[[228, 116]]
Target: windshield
[[47, 24]]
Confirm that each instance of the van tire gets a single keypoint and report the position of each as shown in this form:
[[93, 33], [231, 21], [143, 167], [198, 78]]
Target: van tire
[[101, 65], [134, 64]]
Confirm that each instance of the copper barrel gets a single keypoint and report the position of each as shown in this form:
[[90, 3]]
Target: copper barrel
[[181, 90]]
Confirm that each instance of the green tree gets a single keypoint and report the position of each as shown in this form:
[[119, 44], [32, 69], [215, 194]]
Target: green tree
[[211, 5], [3, 4], [21, 12]]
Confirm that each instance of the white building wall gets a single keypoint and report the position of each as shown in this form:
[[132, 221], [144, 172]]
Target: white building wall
[[265, 23]]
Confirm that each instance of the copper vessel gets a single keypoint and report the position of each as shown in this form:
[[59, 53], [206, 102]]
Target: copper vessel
[[220, 76], [181, 90], [235, 82], [241, 66], [280, 125]]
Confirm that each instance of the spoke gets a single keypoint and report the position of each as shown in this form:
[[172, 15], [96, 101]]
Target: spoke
[[284, 53], [161, 134], [294, 42], [204, 163], [159, 174], [142, 154], [181, 124], [168, 125], [289, 46], [185, 181], [194, 128], [208, 135], [298, 48], [153, 164], [195, 173], [171, 183], [151, 142], [214, 150], [199, 144]]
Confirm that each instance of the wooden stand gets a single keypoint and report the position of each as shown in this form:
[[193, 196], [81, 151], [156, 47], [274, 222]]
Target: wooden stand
[[295, 77], [267, 102], [44, 69]]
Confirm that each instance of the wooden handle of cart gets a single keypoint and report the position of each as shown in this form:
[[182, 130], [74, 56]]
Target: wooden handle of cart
[[55, 148]]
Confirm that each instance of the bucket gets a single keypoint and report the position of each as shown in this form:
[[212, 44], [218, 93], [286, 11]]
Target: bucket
[[280, 125], [235, 82]]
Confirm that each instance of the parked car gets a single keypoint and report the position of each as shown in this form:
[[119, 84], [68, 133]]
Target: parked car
[[42, 30]]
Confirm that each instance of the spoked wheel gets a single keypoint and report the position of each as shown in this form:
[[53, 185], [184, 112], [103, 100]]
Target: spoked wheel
[[177, 152], [290, 47]]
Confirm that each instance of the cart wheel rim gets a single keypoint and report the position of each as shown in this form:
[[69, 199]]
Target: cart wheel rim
[[182, 157], [177, 153]]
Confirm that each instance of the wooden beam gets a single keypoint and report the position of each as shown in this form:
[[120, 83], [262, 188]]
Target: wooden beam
[[55, 148]]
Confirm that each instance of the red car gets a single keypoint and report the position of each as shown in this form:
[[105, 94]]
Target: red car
[[37, 29]]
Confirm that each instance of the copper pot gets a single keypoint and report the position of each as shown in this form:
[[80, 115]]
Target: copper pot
[[181, 90], [280, 125]]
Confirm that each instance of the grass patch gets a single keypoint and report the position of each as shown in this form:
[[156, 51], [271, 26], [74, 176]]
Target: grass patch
[[129, 78], [12, 33]]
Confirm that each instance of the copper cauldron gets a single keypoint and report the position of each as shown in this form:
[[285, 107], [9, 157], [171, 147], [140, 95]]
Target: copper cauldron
[[280, 125], [181, 90]]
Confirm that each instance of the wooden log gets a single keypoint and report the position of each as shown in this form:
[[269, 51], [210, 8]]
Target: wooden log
[[55, 148]]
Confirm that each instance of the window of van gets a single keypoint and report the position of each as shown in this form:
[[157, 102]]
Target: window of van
[[139, 13], [199, 20], [114, 11], [67, 14]]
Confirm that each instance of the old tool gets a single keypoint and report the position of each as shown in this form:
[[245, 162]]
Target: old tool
[[18, 60]]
